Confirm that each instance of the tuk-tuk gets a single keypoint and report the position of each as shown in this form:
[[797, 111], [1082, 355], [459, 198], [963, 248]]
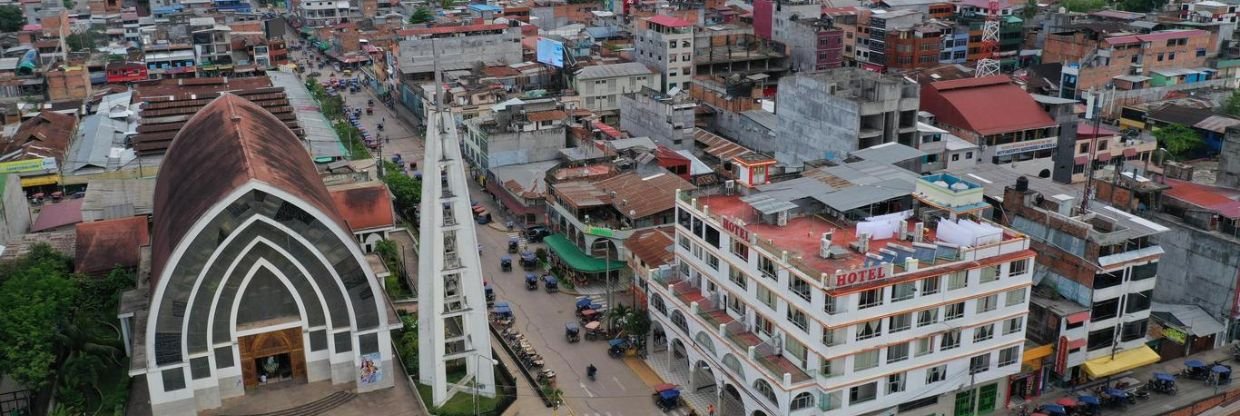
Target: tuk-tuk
[[531, 281], [505, 263], [490, 293], [1162, 383], [1195, 369], [502, 313], [481, 216], [666, 397], [572, 332], [1053, 410], [1115, 397], [583, 303], [594, 330], [617, 347], [1089, 405], [589, 315], [1220, 375], [529, 261], [550, 283], [513, 245]]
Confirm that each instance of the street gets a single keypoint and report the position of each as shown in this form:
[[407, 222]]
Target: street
[[617, 390]]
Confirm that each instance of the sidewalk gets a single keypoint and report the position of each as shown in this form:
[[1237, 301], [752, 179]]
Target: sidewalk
[[528, 402], [1190, 391]]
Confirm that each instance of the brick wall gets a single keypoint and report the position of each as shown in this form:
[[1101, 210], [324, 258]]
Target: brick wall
[[68, 83], [1016, 204]]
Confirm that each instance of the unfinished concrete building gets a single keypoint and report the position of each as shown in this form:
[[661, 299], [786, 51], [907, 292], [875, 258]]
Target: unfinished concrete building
[[668, 120]]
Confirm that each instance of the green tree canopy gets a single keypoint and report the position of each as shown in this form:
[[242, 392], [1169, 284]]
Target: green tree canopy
[[1141, 6], [35, 300], [1231, 106], [421, 15], [1083, 6], [11, 19], [406, 190], [1178, 139]]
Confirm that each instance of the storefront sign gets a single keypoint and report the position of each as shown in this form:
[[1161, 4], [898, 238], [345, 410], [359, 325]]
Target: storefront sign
[[1061, 356], [1175, 335], [1024, 147], [600, 231], [29, 165], [736, 229], [864, 275]]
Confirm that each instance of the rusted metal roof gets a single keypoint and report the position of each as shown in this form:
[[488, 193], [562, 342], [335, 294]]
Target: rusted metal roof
[[365, 206], [718, 146], [1224, 201], [968, 104], [162, 116], [638, 196], [581, 194], [651, 246], [228, 144], [541, 116], [45, 135], [104, 245]]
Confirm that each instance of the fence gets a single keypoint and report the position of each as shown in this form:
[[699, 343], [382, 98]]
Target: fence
[[496, 332], [1204, 405]]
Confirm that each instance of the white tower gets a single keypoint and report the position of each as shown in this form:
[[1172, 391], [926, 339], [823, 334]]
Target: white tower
[[452, 312]]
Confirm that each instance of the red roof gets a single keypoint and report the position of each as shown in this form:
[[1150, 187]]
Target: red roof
[[1221, 200], [1156, 36], [651, 246], [1087, 130], [606, 129], [58, 215], [103, 245], [440, 30], [365, 207], [986, 105], [669, 21]]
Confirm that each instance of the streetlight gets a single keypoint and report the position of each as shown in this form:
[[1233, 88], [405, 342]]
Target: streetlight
[[475, 378]]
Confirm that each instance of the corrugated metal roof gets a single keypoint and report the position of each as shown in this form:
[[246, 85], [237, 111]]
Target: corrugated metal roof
[[969, 104], [1190, 317], [626, 69], [1217, 123], [651, 246], [669, 21], [889, 153], [638, 196], [1224, 201], [718, 146]]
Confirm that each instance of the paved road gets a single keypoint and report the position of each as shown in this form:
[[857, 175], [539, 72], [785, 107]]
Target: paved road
[[541, 316]]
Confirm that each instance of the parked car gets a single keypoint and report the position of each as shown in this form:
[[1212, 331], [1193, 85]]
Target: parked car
[[536, 233]]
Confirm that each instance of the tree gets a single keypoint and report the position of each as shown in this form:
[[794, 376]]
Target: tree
[[84, 41], [1178, 139], [1083, 6], [1141, 6], [1030, 10], [35, 300], [406, 190], [1231, 106], [421, 15], [11, 19]]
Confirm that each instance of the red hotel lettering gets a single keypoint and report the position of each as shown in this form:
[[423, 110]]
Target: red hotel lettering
[[734, 228], [860, 276]]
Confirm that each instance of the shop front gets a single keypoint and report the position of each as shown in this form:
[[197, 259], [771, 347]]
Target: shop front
[[1027, 385], [570, 262]]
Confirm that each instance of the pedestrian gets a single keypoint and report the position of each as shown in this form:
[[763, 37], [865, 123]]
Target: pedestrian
[[710, 409], [387, 140]]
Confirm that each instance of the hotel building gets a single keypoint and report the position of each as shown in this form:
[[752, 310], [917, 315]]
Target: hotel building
[[857, 288]]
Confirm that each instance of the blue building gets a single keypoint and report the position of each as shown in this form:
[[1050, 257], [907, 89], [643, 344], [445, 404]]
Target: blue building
[[955, 49], [240, 6]]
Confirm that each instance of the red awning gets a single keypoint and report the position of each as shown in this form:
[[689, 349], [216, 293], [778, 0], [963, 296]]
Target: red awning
[[1078, 317], [1104, 156], [1081, 160], [1129, 152], [1076, 343]]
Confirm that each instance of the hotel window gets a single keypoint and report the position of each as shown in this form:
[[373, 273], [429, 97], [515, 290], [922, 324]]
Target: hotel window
[[903, 291], [954, 311], [863, 393], [799, 286], [989, 274], [957, 280], [735, 275], [870, 329], [831, 368], [766, 296], [928, 317], [865, 360], [740, 249], [930, 285], [936, 374], [900, 322], [736, 304], [831, 304], [1018, 267], [712, 236], [833, 337], [1014, 325], [684, 241], [1008, 356], [925, 345], [951, 339], [895, 383], [897, 353], [764, 325], [767, 267], [979, 364], [871, 298], [712, 261], [802, 401], [987, 304], [1015, 297], [797, 318], [1084, 148], [983, 333]]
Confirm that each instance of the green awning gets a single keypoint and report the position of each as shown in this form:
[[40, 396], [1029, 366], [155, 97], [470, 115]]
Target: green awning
[[577, 259]]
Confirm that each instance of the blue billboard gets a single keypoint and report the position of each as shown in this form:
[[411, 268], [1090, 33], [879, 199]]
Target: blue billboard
[[550, 52]]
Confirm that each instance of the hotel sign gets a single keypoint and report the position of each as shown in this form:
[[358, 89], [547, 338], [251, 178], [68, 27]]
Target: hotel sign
[[600, 231], [863, 275], [1025, 147], [736, 229]]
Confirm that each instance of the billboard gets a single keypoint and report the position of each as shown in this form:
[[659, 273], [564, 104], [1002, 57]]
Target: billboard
[[45, 164], [550, 52]]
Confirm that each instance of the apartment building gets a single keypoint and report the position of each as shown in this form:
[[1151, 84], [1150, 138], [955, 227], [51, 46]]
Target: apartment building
[[318, 13], [517, 132], [1098, 269], [666, 44], [774, 309], [1129, 60], [816, 44], [601, 86], [873, 52]]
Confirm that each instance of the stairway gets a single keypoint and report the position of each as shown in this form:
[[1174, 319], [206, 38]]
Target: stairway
[[316, 407]]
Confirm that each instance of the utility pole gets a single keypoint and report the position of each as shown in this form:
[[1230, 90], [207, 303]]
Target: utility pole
[[1095, 107]]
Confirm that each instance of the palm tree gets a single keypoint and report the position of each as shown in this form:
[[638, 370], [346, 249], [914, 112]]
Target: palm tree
[[618, 315]]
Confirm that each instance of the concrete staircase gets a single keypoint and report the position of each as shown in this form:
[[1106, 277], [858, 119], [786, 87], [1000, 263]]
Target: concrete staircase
[[316, 407]]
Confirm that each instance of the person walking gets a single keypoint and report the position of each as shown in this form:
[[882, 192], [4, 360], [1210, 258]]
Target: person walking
[[710, 409]]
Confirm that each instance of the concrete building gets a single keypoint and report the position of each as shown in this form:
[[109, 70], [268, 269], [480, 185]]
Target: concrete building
[[773, 309], [1097, 270], [68, 82], [212, 46], [666, 120], [14, 208], [1019, 133], [460, 47], [666, 44], [955, 39], [824, 116], [518, 132], [816, 44], [1096, 58], [318, 13], [601, 86], [304, 305]]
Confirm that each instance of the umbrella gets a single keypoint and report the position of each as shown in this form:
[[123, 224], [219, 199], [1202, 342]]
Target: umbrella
[[1193, 364], [1067, 402], [1053, 408], [1220, 369], [1114, 392], [1090, 400], [1164, 377]]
